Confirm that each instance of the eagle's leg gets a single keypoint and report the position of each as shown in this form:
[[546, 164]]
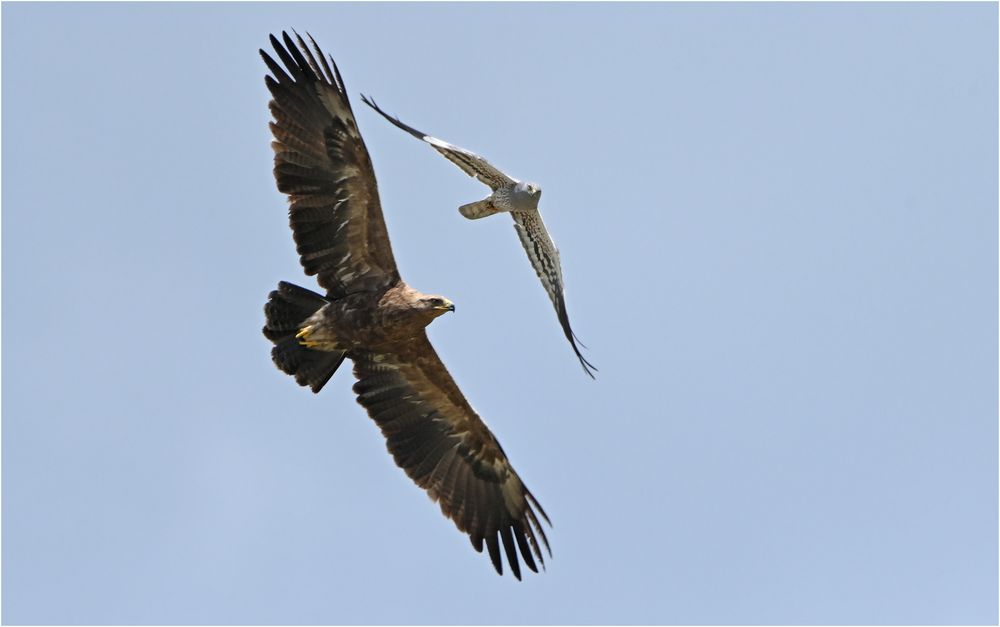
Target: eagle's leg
[[308, 337], [288, 310]]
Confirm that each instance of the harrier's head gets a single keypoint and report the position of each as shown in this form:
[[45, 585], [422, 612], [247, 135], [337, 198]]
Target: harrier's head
[[526, 196]]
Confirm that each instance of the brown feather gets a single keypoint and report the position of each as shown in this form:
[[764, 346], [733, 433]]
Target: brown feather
[[494, 549]]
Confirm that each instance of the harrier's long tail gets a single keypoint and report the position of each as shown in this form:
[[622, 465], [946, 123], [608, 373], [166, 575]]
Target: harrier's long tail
[[286, 309], [479, 209]]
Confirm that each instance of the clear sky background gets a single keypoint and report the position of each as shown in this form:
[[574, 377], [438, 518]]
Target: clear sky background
[[778, 227]]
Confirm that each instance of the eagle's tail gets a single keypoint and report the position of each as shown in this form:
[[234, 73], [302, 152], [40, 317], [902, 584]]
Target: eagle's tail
[[479, 209], [286, 309]]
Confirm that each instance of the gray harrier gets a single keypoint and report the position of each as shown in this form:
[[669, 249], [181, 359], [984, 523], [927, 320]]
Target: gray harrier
[[518, 198]]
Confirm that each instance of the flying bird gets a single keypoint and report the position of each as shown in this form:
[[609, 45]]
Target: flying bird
[[518, 198], [372, 317]]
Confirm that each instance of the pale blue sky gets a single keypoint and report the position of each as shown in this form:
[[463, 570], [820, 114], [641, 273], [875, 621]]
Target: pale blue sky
[[778, 226]]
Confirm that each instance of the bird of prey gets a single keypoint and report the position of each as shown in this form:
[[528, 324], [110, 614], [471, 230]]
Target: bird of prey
[[518, 198], [371, 316]]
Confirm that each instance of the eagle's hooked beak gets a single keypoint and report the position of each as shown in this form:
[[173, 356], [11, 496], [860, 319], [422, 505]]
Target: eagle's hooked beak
[[447, 306]]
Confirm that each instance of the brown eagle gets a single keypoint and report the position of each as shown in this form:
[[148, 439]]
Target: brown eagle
[[370, 315]]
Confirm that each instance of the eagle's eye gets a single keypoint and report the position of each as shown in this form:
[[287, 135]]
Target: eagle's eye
[[437, 302]]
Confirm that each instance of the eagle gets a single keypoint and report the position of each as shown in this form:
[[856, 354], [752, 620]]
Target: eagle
[[369, 315], [520, 199]]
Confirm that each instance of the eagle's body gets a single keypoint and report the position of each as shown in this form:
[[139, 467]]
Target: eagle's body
[[372, 317], [379, 320]]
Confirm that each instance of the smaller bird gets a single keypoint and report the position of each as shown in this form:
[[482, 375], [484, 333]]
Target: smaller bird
[[520, 199]]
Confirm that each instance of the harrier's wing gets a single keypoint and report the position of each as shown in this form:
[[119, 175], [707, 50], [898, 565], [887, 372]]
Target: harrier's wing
[[471, 163], [444, 446], [321, 162], [544, 257]]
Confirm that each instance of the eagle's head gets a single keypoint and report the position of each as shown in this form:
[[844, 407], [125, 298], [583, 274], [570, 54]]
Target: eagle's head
[[435, 306]]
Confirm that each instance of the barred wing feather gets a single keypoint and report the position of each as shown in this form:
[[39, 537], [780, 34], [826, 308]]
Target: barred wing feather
[[472, 164], [544, 257]]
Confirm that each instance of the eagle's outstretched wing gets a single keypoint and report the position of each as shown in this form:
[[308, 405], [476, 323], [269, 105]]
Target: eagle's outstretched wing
[[471, 163], [445, 447], [321, 162], [544, 257]]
